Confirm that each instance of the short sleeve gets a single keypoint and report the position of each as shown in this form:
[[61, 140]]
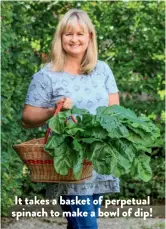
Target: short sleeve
[[110, 82], [39, 91]]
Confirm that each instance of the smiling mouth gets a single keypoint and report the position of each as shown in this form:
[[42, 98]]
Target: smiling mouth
[[74, 45]]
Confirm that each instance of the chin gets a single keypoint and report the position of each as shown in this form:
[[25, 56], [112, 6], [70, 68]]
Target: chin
[[76, 53]]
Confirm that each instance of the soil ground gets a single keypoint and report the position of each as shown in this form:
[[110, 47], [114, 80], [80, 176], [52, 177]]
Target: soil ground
[[104, 223]]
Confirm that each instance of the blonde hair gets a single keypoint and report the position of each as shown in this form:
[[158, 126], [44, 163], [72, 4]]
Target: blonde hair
[[58, 55]]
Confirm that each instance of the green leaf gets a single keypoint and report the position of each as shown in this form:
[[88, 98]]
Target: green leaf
[[52, 143], [70, 124], [113, 126], [77, 170], [134, 170], [146, 141], [74, 131], [144, 169], [112, 140], [61, 167], [63, 159], [76, 145], [119, 171], [78, 165], [78, 159], [79, 111], [125, 148], [57, 122], [118, 110], [104, 159], [89, 120], [89, 140], [96, 132], [88, 150], [141, 148]]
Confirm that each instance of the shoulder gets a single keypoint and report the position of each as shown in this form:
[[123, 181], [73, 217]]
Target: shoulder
[[102, 66], [46, 73], [104, 71], [42, 76], [47, 70]]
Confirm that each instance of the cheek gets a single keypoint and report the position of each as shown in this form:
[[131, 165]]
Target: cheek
[[64, 41], [86, 43], [65, 45]]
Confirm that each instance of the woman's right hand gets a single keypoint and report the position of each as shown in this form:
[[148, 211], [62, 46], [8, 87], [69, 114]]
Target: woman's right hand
[[67, 103], [37, 116]]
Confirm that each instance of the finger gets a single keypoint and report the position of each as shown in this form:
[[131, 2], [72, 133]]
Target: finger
[[61, 101], [68, 101], [67, 105]]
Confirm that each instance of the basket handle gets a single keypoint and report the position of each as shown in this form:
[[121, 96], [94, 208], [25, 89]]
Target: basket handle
[[58, 108]]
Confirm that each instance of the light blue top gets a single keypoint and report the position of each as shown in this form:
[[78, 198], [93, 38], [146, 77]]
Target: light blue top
[[86, 91]]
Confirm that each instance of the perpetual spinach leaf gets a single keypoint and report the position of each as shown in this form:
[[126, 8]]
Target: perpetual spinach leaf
[[53, 142], [124, 148], [144, 169], [57, 123], [95, 132], [116, 110], [104, 158], [114, 140], [113, 126], [63, 159], [79, 111]]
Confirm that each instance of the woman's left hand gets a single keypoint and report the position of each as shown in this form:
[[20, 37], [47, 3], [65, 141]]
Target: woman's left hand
[[67, 103]]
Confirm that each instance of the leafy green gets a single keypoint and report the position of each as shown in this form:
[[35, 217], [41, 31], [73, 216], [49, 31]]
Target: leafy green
[[104, 159], [144, 169], [57, 124], [115, 140], [62, 159], [113, 127]]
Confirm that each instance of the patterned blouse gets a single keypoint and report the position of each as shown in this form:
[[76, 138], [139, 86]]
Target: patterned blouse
[[86, 91]]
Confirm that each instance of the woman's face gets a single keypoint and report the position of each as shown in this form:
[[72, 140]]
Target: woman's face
[[75, 41]]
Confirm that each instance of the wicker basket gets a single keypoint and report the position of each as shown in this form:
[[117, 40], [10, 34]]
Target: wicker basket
[[40, 163]]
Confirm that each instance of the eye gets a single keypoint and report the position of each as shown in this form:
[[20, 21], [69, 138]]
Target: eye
[[68, 34], [80, 34]]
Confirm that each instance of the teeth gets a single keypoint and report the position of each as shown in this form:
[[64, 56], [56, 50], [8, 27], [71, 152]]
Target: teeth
[[74, 45]]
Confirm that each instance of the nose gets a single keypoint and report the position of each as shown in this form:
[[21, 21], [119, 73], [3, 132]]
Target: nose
[[74, 38]]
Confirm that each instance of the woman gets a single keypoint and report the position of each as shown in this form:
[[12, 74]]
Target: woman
[[74, 76]]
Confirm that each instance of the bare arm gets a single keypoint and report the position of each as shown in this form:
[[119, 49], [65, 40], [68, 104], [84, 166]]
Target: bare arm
[[36, 116], [113, 99]]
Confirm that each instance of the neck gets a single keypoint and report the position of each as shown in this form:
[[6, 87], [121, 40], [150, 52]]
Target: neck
[[74, 61], [72, 64]]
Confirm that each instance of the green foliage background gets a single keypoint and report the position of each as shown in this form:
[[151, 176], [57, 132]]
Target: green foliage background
[[130, 39]]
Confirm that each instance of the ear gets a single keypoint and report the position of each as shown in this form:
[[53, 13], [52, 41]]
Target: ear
[[90, 35]]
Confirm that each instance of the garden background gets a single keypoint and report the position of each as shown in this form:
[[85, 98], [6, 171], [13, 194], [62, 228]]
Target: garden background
[[130, 39]]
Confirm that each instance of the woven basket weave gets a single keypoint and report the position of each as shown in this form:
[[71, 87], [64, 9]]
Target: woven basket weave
[[40, 163]]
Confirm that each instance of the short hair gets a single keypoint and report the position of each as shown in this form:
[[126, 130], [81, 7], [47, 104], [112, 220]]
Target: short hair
[[57, 57]]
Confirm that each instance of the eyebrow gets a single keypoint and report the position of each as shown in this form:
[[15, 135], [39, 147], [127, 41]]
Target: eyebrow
[[71, 31]]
